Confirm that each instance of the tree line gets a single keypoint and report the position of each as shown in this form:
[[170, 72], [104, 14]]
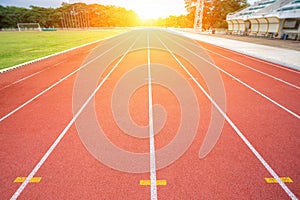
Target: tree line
[[68, 15], [94, 15]]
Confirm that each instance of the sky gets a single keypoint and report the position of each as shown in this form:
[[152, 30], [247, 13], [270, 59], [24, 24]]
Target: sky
[[146, 9]]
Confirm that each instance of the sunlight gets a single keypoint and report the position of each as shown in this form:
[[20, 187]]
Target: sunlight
[[152, 9], [148, 12]]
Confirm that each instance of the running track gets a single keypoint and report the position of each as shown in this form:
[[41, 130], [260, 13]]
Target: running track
[[150, 114]]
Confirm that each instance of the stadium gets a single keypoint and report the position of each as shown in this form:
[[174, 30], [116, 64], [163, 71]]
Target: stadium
[[267, 18]]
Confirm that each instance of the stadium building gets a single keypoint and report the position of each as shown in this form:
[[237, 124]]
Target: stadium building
[[268, 18]]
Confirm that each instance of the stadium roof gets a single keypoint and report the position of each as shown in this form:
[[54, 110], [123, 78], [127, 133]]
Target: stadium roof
[[269, 8]]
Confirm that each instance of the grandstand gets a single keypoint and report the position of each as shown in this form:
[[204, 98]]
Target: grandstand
[[267, 18]]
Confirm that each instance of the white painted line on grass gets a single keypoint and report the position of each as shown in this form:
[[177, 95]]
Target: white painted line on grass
[[52, 55], [62, 134], [240, 134], [243, 83], [56, 83], [153, 187]]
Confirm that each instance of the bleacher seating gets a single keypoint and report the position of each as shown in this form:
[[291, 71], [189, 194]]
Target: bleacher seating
[[267, 18]]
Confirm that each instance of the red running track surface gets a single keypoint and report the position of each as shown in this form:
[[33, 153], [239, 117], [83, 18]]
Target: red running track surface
[[266, 113]]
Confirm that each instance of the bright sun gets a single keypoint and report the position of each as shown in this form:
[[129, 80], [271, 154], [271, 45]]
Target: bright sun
[[153, 9], [150, 10]]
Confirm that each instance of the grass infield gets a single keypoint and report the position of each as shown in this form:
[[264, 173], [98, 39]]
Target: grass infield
[[20, 47]]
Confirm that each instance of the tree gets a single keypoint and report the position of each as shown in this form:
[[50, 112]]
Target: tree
[[11, 15], [215, 11]]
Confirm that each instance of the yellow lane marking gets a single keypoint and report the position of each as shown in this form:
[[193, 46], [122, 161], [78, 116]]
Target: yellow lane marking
[[158, 182], [284, 179], [22, 179]]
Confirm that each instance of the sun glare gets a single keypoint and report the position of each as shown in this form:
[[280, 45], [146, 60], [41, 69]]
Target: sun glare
[[153, 9], [150, 11]]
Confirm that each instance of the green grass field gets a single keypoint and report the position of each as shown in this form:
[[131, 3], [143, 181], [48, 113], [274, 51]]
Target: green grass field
[[19, 47]]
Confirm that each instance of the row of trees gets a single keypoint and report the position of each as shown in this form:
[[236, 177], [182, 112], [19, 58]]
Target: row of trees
[[68, 15], [95, 15]]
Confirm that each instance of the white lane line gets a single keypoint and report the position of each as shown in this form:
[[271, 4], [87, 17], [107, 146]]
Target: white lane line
[[259, 60], [243, 83], [240, 53], [62, 134], [244, 65], [27, 77], [55, 84], [259, 71], [240, 134], [153, 188]]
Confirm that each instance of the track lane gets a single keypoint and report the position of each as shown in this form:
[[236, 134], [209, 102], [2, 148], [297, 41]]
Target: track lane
[[268, 63], [254, 69], [280, 71]]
